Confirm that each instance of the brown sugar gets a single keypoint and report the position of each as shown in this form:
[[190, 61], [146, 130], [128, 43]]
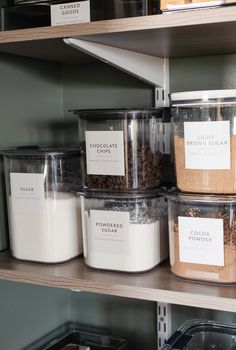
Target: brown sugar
[[204, 181]]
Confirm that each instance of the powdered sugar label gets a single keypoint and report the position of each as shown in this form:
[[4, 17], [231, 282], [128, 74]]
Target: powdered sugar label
[[105, 152], [109, 231], [27, 193], [69, 13], [207, 145], [201, 241]]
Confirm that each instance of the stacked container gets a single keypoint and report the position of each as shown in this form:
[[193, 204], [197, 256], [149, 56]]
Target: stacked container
[[44, 215], [202, 219], [126, 158]]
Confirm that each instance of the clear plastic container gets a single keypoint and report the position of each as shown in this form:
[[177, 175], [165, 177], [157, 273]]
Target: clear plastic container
[[125, 150], [202, 234], [205, 140], [123, 232], [44, 215], [39, 13], [203, 334], [72, 336]]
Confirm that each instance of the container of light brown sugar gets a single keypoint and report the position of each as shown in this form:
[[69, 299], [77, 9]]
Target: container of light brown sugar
[[202, 235], [204, 127]]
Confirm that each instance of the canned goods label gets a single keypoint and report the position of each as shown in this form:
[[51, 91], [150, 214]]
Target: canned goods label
[[201, 241], [207, 145], [109, 231], [105, 153], [69, 13], [27, 193]]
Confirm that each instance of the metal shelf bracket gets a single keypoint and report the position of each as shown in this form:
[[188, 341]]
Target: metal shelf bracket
[[152, 70]]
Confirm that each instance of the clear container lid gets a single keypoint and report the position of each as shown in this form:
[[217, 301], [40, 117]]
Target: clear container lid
[[123, 195], [122, 113], [204, 198], [203, 334], [194, 98], [40, 151]]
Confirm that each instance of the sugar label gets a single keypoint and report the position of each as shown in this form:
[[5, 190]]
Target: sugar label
[[69, 13], [201, 241], [27, 193], [105, 153], [207, 145], [109, 231]]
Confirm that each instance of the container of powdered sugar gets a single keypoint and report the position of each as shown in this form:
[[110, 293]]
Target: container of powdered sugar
[[124, 232], [204, 124], [44, 215]]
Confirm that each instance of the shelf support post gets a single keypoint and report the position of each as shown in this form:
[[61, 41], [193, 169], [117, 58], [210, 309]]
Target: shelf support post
[[152, 70]]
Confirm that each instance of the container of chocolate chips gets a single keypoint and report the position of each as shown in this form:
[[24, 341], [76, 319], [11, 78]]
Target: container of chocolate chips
[[125, 150], [202, 235]]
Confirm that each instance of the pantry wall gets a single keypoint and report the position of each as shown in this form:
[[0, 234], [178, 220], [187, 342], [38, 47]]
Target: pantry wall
[[35, 97]]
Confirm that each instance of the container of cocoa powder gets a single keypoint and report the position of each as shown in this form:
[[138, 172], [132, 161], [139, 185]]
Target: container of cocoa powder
[[204, 127], [125, 150], [202, 237]]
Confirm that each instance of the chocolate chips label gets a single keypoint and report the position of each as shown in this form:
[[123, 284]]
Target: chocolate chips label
[[105, 153], [69, 13], [109, 231], [201, 241], [207, 145], [27, 193]]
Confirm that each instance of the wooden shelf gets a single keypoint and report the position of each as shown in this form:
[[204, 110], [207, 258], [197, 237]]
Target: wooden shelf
[[156, 285], [190, 33]]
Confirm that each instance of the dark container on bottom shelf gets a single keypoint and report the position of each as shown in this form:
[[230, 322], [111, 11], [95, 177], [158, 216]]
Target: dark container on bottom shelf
[[72, 337], [203, 334]]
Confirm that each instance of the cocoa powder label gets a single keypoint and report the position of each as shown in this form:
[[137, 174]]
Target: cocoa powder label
[[109, 231], [105, 153], [207, 145], [201, 241]]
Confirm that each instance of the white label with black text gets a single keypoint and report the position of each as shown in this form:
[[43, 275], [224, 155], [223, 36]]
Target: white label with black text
[[207, 145], [69, 13], [201, 241], [27, 193], [105, 153], [109, 231]]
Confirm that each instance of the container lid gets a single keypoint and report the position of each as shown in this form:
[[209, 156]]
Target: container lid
[[202, 97], [36, 150], [203, 334], [122, 195], [118, 113], [203, 198]]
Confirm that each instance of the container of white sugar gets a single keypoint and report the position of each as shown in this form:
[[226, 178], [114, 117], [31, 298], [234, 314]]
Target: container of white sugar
[[124, 232], [44, 214]]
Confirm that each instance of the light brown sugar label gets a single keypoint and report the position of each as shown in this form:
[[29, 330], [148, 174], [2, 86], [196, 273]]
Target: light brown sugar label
[[207, 145]]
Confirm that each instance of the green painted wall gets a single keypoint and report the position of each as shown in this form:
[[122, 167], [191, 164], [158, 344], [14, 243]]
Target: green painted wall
[[29, 312]]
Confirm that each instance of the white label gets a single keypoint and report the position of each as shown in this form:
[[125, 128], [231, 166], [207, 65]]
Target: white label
[[109, 231], [69, 13], [27, 193], [201, 241], [207, 145], [105, 152]]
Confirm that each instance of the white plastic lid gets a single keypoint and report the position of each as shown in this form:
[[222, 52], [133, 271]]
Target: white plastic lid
[[203, 95]]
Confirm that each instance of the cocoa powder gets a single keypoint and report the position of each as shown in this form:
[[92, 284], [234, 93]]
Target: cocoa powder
[[209, 273]]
